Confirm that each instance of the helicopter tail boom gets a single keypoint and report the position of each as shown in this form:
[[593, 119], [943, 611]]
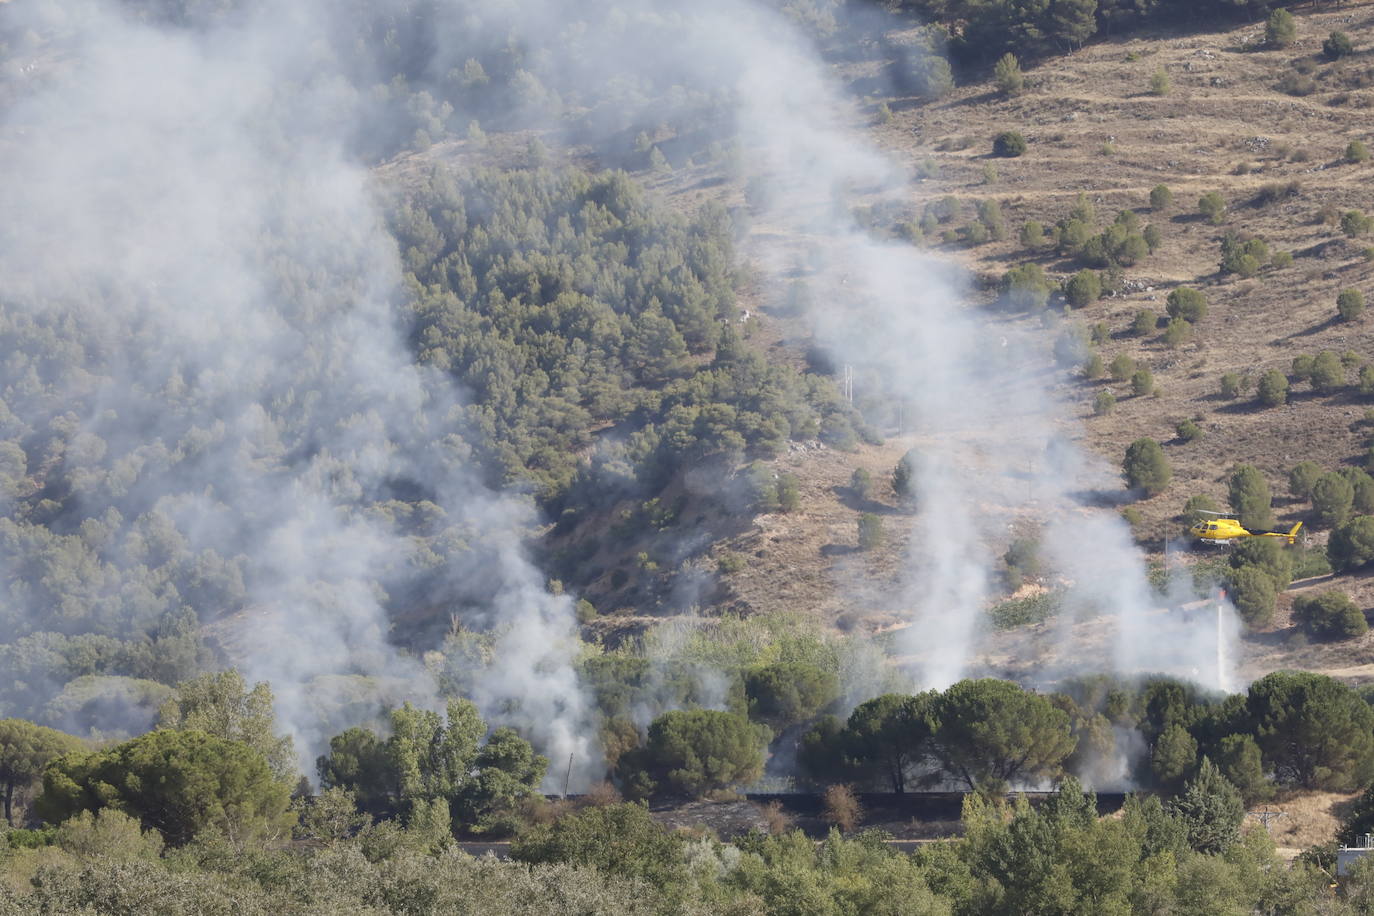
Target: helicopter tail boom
[[1290, 535]]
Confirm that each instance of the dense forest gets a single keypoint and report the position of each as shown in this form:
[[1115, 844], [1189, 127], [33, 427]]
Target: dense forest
[[197, 812]]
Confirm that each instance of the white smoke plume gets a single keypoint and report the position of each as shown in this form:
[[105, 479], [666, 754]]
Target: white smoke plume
[[185, 203], [189, 200], [979, 389]]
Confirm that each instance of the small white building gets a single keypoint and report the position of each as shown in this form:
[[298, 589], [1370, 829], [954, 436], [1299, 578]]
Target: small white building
[[1347, 856]]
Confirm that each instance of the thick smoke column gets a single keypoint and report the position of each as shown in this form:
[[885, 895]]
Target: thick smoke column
[[183, 203]]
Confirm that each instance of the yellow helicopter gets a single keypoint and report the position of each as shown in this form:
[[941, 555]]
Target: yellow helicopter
[[1222, 529]]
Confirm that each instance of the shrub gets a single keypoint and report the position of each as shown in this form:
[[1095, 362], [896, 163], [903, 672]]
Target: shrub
[[1187, 303], [1210, 810], [1302, 478], [616, 839], [1231, 385], [696, 751], [903, 476], [994, 732], [1241, 762], [842, 808], [1093, 368], [1188, 430], [1161, 197], [870, 531], [1144, 323], [935, 79], [1268, 554], [976, 234], [1352, 544], [1281, 259], [788, 693], [1273, 389], [789, 492], [1032, 234], [1173, 758], [1130, 250], [1100, 333], [1292, 83], [1337, 45], [1159, 82], [182, 782], [1302, 367], [1145, 468], [1178, 333], [1354, 223], [1152, 238], [861, 482], [1313, 730], [1104, 403], [1281, 29], [1009, 144], [1252, 591], [1142, 383], [1248, 495], [1356, 151], [1309, 562], [1071, 236], [1006, 74], [1121, 367], [1350, 304], [1023, 557], [729, 562], [1364, 489], [110, 832], [1026, 286], [1243, 255], [1084, 210], [990, 215], [1213, 206], [1082, 288], [1332, 498], [1328, 372], [1330, 615], [1275, 192]]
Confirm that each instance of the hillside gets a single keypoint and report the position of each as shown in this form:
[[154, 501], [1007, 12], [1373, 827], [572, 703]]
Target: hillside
[[569, 344], [732, 457], [1093, 127]]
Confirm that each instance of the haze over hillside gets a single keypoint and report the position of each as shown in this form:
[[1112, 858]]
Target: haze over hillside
[[414, 413], [405, 352]]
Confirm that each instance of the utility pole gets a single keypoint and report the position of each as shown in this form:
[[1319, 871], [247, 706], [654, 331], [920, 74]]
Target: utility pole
[[567, 777], [849, 383]]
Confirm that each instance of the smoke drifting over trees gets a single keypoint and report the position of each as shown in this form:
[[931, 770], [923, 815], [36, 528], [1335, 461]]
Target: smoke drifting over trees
[[252, 410], [210, 408]]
